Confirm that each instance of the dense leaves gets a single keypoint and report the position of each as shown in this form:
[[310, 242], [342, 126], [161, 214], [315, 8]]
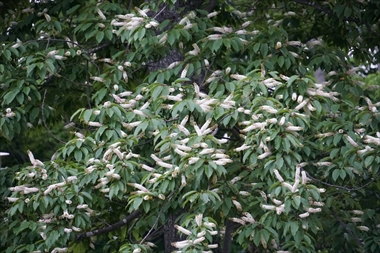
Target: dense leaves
[[206, 113]]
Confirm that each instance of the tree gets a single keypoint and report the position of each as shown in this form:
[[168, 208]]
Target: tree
[[200, 123]]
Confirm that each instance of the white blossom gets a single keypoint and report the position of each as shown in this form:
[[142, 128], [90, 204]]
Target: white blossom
[[304, 215], [268, 207], [264, 155], [183, 230], [363, 228], [358, 212], [214, 37], [356, 219], [198, 219], [237, 205], [279, 177], [351, 141], [181, 244], [10, 199], [241, 148]]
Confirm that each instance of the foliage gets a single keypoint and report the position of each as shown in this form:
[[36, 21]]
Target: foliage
[[213, 117]]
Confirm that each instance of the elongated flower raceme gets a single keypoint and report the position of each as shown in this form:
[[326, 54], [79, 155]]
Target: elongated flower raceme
[[183, 129], [264, 155], [357, 212], [241, 148], [304, 177], [181, 244], [199, 219], [356, 219], [238, 220], [146, 167], [237, 205], [279, 177], [193, 160], [138, 186], [183, 230], [351, 141], [199, 240], [268, 207], [363, 228]]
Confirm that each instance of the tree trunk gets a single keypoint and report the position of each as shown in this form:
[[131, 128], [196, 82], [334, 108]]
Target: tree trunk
[[170, 233]]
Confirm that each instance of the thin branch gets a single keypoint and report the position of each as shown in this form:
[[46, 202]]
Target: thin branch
[[71, 81], [44, 121], [160, 12], [342, 187], [87, 86], [170, 120], [145, 142], [151, 229], [349, 231], [92, 50], [109, 228]]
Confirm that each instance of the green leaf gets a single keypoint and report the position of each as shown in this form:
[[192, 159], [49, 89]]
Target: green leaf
[[264, 50], [216, 44], [317, 105], [256, 47], [57, 25], [29, 69], [286, 145], [87, 115], [209, 171], [335, 174], [334, 152], [280, 61], [73, 9], [137, 202], [342, 174], [279, 163], [10, 96], [296, 201], [368, 161], [87, 195], [78, 155], [337, 138], [292, 79], [99, 36], [269, 65], [294, 226], [7, 54], [347, 12], [171, 38]]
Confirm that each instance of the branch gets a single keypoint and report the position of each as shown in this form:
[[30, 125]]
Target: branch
[[342, 187], [349, 231], [109, 228], [155, 223], [44, 120], [92, 50]]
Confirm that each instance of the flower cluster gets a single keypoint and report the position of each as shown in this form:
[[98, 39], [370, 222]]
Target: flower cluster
[[197, 235]]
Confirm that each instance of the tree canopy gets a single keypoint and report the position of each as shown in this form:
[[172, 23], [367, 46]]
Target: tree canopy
[[189, 126]]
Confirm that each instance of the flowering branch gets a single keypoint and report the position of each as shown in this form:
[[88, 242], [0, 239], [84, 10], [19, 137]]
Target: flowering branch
[[109, 228]]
